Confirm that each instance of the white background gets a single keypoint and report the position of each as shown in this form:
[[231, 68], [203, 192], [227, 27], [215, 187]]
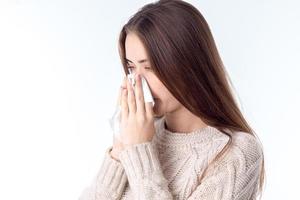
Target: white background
[[60, 73]]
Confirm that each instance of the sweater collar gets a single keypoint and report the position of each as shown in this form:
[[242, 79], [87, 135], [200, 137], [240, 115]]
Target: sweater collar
[[203, 135]]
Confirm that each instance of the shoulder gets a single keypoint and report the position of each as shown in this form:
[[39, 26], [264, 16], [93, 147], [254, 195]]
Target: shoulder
[[238, 171], [245, 149], [244, 154], [236, 174]]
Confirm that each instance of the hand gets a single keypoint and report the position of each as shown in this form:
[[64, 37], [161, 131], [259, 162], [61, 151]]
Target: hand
[[117, 144], [137, 117]]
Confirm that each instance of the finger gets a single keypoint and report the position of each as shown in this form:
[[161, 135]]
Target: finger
[[124, 105], [131, 98], [149, 109], [139, 96]]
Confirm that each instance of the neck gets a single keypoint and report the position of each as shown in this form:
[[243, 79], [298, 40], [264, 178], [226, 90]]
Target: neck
[[183, 121]]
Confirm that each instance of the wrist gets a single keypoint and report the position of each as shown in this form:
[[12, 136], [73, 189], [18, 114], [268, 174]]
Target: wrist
[[114, 155]]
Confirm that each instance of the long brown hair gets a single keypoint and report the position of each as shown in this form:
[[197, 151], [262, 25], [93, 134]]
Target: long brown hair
[[180, 46]]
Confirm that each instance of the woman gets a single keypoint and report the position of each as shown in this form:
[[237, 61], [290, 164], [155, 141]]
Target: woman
[[200, 146]]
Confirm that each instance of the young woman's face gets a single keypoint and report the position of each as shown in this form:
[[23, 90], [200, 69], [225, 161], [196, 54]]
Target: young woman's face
[[137, 61]]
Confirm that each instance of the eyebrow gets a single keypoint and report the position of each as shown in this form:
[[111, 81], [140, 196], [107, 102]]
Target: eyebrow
[[140, 61]]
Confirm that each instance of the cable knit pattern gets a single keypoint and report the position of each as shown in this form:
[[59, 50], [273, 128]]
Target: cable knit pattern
[[170, 165]]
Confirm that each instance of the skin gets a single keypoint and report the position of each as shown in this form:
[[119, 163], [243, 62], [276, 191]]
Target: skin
[[177, 117]]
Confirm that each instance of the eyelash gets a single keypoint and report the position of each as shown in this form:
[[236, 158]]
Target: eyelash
[[130, 67]]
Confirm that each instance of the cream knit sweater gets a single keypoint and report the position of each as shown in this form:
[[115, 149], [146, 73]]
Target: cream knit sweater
[[168, 167]]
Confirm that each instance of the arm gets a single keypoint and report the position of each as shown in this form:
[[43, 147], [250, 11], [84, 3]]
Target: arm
[[109, 183]]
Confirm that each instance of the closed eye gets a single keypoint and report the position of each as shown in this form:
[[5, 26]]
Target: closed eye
[[148, 68]]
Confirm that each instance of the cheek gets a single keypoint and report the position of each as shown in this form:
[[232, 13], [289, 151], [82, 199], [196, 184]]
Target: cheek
[[159, 91], [164, 100]]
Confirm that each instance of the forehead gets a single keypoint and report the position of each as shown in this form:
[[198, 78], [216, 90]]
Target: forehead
[[134, 48]]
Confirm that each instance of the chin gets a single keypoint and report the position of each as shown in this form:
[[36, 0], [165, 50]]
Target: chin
[[157, 114], [157, 109]]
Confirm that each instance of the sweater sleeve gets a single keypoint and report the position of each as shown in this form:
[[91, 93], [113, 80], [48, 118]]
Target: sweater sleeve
[[109, 182], [144, 172]]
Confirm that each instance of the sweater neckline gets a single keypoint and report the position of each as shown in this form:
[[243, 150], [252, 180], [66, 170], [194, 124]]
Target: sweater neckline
[[205, 134]]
